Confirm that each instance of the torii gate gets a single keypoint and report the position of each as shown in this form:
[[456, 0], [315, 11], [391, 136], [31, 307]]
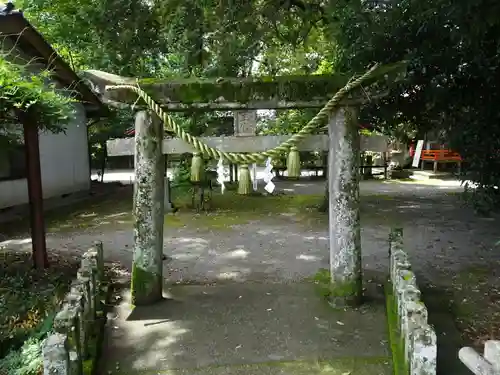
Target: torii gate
[[286, 92]]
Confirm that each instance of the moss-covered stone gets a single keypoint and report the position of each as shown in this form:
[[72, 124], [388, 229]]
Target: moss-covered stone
[[396, 341], [148, 211], [338, 295], [88, 367], [291, 89], [344, 228], [146, 287], [348, 293]]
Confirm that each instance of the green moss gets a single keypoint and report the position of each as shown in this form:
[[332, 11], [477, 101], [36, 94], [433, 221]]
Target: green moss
[[244, 90], [349, 293], [146, 287], [407, 276], [88, 367], [228, 209], [337, 294], [396, 341], [209, 221], [322, 282]]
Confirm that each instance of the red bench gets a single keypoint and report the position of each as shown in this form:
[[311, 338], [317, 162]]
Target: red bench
[[440, 156]]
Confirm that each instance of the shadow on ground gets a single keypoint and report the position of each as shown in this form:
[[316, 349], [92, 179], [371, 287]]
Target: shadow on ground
[[246, 329]]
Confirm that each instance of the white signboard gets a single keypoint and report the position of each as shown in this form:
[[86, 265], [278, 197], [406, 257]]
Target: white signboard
[[418, 152]]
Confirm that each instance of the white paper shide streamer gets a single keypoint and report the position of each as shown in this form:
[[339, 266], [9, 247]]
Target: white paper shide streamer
[[268, 176], [222, 174]]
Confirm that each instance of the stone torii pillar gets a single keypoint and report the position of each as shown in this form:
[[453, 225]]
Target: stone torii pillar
[[344, 224], [148, 210]]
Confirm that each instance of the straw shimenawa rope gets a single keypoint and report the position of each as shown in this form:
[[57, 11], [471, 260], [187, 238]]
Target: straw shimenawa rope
[[247, 158]]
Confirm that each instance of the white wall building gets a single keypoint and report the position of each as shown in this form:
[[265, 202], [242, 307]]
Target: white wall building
[[64, 157]]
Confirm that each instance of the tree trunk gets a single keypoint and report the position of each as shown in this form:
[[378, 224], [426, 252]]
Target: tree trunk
[[345, 238], [147, 268], [35, 192]]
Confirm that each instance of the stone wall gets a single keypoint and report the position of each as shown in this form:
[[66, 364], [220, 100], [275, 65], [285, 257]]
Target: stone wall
[[71, 347], [413, 339]]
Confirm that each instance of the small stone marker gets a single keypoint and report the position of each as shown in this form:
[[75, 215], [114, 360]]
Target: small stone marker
[[245, 123], [55, 355]]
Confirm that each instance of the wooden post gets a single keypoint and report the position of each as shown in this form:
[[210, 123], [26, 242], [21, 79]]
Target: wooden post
[[368, 164], [384, 156], [147, 269], [343, 180], [35, 192], [231, 178]]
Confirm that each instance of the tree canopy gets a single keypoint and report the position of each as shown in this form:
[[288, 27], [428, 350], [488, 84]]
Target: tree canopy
[[22, 92]]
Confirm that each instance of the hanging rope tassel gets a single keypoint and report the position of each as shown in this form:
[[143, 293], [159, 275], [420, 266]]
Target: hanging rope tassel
[[244, 181], [293, 163], [196, 167]]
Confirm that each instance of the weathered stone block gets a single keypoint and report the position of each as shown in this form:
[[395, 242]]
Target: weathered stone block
[[415, 316], [55, 355], [424, 353], [90, 257], [75, 299], [404, 279], [399, 262], [100, 260], [85, 276]]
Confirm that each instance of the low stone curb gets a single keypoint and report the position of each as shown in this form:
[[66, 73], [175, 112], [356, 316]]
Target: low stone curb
[[413, 340], [74, 346]]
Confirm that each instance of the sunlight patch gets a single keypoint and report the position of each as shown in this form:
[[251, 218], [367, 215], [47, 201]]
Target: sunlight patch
[[93, 214], [238, 253], [307, 257], [16, 244]]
